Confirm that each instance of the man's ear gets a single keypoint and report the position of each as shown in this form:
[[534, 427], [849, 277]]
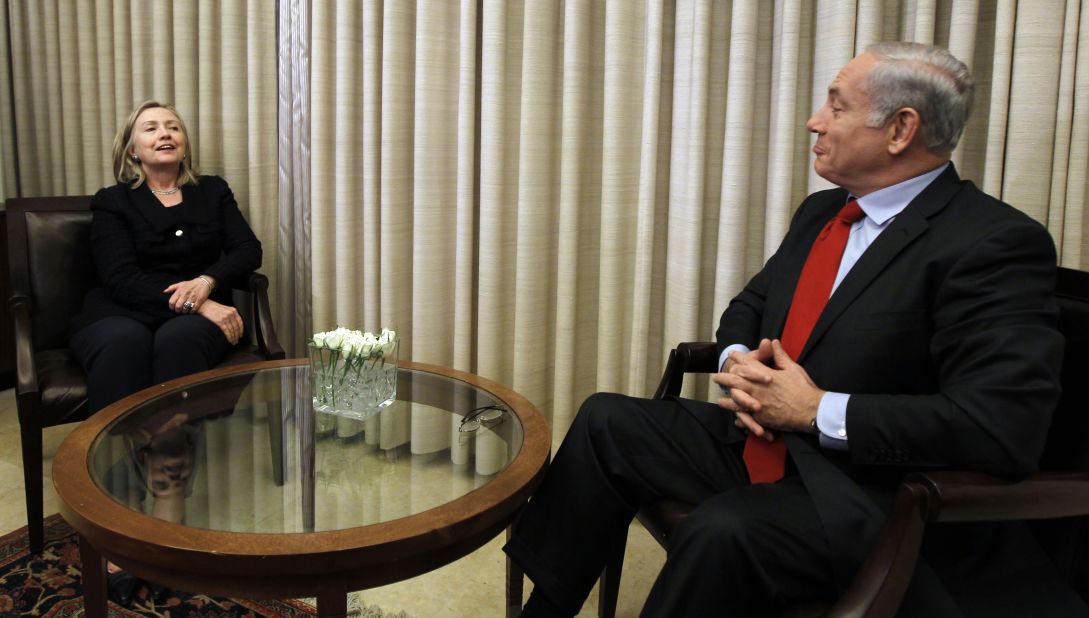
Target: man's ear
[[903, 129]]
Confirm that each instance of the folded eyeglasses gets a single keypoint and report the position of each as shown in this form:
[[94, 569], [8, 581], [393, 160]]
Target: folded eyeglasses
[[484, 416]]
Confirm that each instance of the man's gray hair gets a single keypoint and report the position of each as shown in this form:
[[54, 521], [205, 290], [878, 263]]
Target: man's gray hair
[[929, 80]]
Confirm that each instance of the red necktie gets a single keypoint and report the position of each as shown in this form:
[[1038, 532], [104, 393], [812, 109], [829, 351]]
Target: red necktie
[[766, 460]]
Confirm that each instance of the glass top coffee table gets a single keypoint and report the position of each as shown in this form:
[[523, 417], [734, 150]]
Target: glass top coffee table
[[228, 482]]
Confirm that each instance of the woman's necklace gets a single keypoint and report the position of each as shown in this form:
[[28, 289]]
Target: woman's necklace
[[170, 191]]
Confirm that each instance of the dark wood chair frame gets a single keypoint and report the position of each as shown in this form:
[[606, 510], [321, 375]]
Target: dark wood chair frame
[[33, 380], [1057, 496]]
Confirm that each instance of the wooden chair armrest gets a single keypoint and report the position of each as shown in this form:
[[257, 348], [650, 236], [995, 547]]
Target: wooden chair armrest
[[699, 356], [257, 284], [880, 584], [972, 496], [26, 373], [687, 357], [950, 496]]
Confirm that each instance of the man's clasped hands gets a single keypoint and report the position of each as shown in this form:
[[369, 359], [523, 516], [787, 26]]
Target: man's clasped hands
[[768, 390]]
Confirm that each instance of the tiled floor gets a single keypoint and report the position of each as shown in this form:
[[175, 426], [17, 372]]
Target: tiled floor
[[472, 586]]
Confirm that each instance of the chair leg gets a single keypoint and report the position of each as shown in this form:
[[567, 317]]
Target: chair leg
[[515, 579], [609, 586], [32, 482], [276, 442]]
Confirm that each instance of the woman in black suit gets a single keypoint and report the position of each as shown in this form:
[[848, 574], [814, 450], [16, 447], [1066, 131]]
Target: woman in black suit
[[166, 245]]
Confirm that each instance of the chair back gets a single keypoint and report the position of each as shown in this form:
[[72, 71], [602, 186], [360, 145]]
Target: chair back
[[1067, 448], [49, 246], [245, 302]]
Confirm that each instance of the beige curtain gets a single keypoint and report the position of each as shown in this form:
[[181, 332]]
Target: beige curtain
[[553, 194], [72, 70]]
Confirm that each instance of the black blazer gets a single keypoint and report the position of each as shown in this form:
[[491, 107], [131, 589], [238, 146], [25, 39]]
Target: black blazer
[[140, 247], [943, 333]]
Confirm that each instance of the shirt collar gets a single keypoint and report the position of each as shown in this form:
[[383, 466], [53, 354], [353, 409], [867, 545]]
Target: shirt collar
[[884, 204]]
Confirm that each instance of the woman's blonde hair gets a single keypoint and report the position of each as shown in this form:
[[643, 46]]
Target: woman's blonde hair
[[126, 170]]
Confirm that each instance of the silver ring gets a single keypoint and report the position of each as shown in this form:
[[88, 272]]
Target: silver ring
[[187, 306]]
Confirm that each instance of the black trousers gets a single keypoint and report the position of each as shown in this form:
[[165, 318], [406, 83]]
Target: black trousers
[[121, 355], [743, 551]]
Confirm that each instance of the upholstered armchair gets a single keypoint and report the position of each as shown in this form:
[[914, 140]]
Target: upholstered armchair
[[1056, 499], [51, 270]]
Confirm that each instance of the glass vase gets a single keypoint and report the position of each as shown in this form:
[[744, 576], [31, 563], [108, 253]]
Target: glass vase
[[353, 385], [328, 378], [375, 382]]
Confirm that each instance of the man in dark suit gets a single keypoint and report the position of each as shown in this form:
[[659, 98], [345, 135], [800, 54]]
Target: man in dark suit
[[924, 337]]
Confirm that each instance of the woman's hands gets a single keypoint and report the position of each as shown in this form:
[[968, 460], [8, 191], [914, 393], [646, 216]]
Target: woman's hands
[[226, 318], [189, 296], [192, 297]]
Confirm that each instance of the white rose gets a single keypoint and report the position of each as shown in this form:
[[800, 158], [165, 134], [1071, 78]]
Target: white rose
[[333, 340], [319, 340], [355, 339], [388, 346]]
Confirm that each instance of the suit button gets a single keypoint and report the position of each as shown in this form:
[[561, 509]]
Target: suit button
[[178, 233]]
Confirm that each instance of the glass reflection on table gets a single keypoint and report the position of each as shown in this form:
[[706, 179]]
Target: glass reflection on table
[[248, 453]]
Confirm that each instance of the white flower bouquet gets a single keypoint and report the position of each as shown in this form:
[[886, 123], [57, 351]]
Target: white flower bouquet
[[353, 373]]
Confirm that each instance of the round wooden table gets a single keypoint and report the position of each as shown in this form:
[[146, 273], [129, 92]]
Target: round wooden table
[[228, 482]]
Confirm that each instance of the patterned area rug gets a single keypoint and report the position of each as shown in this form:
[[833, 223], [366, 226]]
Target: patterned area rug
[[50, 585]]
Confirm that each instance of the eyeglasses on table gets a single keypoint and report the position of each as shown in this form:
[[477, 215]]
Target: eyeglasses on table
[[484, 416]]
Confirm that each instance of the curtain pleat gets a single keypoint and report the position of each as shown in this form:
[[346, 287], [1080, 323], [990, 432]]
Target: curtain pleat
[[293, 239], [960, 25], [1061, 151], [9, 183], [465, 232], [783, 154], [323, 156], [688, 184], [620, 167], [370, 120], [536, 199], [835, 43], [576, 229], [500, 70], [997, 115], [435, 141], [396, 159], [1033, 100], [645, 336], [1074, 247]]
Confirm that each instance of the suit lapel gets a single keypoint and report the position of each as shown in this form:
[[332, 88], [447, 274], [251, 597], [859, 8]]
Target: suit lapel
[[911, 223], [191, 210], [149, 208], [193, 205]]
